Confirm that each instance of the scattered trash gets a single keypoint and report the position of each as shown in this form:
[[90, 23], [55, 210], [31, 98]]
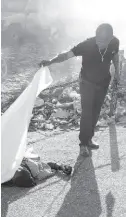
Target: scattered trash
[[61, 113], [39, 102], [49, 126], [54, 101], [63, 107]]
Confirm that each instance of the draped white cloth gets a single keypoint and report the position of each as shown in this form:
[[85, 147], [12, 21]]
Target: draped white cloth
[[15, 122]]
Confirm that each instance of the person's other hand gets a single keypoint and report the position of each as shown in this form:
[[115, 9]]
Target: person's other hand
[[117, 78]]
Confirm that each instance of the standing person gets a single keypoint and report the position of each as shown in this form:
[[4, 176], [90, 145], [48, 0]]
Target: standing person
[[97, 53]]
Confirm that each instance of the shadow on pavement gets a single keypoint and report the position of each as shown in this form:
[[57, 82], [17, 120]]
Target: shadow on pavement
[[110, 201], [114, 152], [83, 198], [9, 195], [109, 164]]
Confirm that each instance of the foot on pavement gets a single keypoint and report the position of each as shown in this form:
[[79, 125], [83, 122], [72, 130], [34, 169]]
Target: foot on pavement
[[84, 151], [92, 145]]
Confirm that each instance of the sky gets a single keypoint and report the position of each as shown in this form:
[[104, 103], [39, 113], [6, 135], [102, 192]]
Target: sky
[[86, 15]]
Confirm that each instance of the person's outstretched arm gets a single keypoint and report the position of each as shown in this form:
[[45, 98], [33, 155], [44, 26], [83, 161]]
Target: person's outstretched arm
[[77, 50], [58, 59]]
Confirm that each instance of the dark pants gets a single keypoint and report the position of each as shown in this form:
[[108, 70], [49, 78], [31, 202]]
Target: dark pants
[[92, 98]]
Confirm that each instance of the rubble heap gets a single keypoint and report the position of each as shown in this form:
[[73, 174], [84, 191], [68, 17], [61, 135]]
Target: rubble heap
[[60, 107]]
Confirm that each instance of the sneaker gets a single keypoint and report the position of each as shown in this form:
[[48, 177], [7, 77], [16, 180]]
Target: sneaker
[[92, 145], [84, 151]]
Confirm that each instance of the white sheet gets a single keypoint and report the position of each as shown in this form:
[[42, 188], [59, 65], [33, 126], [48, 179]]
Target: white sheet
[[15, 123]]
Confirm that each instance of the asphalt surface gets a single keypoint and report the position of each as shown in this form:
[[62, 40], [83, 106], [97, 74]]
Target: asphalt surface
[[96, 188]]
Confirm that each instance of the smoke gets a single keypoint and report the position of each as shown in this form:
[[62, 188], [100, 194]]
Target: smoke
[[70, 13], [81, 17]]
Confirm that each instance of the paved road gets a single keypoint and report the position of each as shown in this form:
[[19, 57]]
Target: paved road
[[96, 188]]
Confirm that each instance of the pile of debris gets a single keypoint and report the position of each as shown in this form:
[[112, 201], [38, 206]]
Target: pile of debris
[[119, 114], [60, 107]]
